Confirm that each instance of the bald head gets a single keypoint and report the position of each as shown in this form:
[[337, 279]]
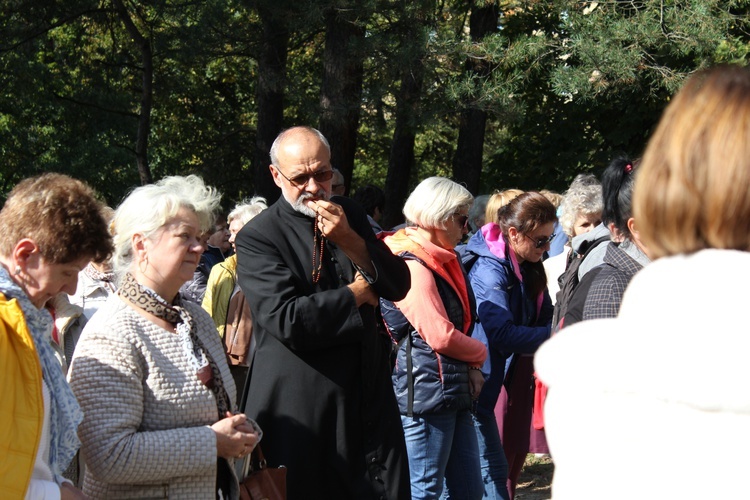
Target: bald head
[[301, 167], [297, 136]]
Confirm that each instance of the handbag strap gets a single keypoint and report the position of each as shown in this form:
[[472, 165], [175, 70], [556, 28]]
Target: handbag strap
[[258, 454], [246, 387], [255, 457]]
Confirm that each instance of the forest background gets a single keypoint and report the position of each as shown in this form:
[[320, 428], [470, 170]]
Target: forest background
[[494, 94]]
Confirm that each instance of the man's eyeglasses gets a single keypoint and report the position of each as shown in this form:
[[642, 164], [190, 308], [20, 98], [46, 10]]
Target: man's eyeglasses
[[541, 241], [301, 180], [462, 220]]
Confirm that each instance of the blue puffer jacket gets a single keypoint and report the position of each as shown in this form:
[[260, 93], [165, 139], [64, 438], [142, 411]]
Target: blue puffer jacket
[[425, 381], [508, 321]]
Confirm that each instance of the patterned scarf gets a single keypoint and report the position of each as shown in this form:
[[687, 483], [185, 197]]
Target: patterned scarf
[[95, 275], [65, 414], [205, 367]]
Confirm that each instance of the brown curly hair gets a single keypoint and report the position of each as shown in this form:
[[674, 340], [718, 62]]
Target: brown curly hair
[[60, 214]]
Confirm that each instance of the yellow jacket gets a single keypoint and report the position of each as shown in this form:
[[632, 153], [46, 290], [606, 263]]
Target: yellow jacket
[[219, 290], [21, 404]]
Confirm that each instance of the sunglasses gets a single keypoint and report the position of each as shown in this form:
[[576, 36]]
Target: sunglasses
[[462, 220], [541, 241], [301, 180]]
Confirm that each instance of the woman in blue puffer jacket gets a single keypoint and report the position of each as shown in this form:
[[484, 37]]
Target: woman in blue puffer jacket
[[515, 313]]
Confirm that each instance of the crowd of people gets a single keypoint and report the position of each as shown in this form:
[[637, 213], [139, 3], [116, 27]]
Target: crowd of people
[[147, 350]]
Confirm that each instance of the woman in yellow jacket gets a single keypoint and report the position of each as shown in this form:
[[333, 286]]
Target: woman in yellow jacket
[[235, 327], [222, 282], [51, 226]]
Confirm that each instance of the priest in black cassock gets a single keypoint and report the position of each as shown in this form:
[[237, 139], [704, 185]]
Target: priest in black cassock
[[312, 270]]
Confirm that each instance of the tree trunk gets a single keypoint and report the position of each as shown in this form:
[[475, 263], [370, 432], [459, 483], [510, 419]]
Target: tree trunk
[[411, 31], [401, 159], [147, 92], [270, 99], [341, 89], [467, 163]]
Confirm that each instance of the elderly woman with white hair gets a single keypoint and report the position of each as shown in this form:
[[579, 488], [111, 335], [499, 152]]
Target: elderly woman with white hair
[[226, 303], [437, 372], [149, 371], [579, 213]]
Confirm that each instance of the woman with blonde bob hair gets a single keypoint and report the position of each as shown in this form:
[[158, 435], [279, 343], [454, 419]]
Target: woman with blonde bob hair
[[700, 167], [671, 369], [150, 371], [437, 372]]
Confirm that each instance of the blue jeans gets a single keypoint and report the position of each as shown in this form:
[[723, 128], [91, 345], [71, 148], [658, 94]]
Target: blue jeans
[[443, 453], [491, 457]]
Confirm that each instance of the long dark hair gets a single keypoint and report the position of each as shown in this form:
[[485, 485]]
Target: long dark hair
[[527, 212], [618, 180]]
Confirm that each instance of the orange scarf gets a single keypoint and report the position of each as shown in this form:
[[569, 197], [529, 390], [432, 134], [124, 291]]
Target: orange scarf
[[442, 261]]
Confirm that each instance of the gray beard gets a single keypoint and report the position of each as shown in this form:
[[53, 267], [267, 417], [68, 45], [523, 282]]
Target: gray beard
[[299, 204]]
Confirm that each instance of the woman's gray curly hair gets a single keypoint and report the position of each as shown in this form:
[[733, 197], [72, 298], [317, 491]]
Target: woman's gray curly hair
[[583, 197]]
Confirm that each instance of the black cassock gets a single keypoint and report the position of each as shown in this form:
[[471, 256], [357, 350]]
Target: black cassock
[[320, 384]]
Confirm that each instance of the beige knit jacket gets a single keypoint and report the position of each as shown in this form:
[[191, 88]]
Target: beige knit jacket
[[145, 432]]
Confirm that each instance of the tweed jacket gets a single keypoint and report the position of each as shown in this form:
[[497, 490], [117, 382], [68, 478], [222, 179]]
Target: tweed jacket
[[605, 295], [146, 430]]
